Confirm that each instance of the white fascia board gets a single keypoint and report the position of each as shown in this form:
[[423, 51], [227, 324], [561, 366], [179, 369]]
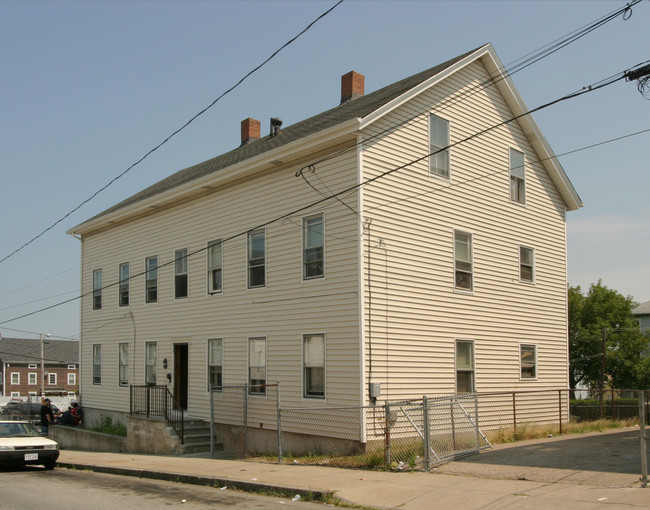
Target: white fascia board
[[527, 123], [247, 168], [418, 89], [516, 103]]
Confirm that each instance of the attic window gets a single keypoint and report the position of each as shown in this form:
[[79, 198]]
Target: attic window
[[438, 147]]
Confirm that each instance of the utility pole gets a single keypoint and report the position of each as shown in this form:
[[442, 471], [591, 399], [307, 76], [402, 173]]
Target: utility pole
[[43, 365], [602, 370]]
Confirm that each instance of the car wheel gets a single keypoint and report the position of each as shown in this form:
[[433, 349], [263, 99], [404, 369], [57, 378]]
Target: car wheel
[[49, 464]]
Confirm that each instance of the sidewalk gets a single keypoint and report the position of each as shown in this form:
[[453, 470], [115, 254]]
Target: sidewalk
[[460, 487]]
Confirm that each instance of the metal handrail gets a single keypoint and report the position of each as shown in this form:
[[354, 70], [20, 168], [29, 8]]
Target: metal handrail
[[152, 400]]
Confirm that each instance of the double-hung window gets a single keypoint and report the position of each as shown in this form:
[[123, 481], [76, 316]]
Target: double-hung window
[[72, 379], [151, 279], [97, 289], [97, 364], [123, 364], [151, 355], [215, 262], [313, 247], [124, 284], [526, 264], [32, 379], [257, 258], [438, 146], [314, 366], [517, 176], [15, 378], [463, 265], [465, 382], [215, 363], [180, 274], [528, 361], [257, 366], [51, 379]]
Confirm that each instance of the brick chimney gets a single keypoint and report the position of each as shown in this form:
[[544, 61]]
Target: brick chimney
[[250, 130], [352, 86]]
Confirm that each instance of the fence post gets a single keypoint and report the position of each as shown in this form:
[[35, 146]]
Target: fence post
[[279, 409], [212, 420], [559, 405], [514, 411], [387, 435], [245, 419], [453, 423], [644, 458], [425, 410], [148, 400], [476, 418]]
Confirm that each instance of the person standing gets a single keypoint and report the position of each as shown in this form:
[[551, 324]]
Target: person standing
[[47, 416]]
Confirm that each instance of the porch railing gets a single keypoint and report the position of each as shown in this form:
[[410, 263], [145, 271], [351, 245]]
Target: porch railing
[[158, 401]]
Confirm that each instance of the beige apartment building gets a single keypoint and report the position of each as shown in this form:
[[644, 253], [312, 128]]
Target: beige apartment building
[[406, 242]]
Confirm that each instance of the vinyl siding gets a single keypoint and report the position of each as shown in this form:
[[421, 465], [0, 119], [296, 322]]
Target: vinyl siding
[[416, 315], [283, 311]]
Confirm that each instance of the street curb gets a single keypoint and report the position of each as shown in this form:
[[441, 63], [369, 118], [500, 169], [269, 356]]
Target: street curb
[[260, 488]]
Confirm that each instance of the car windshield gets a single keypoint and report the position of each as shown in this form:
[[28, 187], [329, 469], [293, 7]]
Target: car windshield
[[17, 429]]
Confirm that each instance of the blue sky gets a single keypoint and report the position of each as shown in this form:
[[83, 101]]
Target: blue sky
[[89, 87]]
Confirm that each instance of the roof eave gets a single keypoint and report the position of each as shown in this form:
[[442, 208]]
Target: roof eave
[[283, 154]]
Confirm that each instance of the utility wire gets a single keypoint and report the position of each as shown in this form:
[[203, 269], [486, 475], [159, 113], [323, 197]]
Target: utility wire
[[192, 119], [504, 72], [591, 88]]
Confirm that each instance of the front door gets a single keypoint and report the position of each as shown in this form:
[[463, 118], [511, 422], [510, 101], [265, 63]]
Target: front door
[[180, 374]]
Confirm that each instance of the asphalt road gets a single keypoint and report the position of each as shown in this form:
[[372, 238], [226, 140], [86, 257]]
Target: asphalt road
[[63, 489]]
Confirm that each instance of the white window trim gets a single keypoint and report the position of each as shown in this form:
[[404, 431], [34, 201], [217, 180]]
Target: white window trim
[[119, 363], [17, 376], [72, 377], [51, 377], [186, 258], [146, 362], [521, 203], [304, 220], [146, 279], [207, 362], [32, 376], [521, 377], [248, 259], [534, 271], [446, 178], [465, 340], [98, 291], [127, 284], [462, 290], [92, 373], [304, 382], [15, 394], [248, 365], [32, 366], [211, 291]]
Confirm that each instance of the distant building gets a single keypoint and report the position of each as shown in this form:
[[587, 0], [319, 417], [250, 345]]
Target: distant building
[[22, 376], [642, 313]]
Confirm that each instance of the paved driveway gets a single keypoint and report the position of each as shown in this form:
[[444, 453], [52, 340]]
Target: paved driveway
[[611, 458]]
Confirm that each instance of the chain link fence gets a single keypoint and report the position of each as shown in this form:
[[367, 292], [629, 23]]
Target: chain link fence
[[415, 434]]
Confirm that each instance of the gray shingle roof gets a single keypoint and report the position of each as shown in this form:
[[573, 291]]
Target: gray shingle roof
[[642, 309], [357, 108], [28, 350]]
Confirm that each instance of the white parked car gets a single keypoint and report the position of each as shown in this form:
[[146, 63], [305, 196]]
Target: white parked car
[[21, 444]]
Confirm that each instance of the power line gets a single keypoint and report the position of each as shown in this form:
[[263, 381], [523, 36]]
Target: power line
[[591, 88], [192, 119], [504, 72]]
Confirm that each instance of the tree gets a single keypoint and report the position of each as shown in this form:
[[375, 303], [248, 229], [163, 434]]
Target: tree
[[605, 314]]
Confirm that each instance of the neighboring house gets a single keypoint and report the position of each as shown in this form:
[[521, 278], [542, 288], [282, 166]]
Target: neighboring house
[[22, 373], [642, 314], [445, 276]]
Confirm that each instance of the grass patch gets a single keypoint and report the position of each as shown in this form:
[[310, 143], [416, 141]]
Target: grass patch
[[106, 425], [528, 431]]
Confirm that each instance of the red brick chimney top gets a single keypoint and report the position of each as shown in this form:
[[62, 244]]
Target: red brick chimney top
[[352, 86], [250, 130]]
